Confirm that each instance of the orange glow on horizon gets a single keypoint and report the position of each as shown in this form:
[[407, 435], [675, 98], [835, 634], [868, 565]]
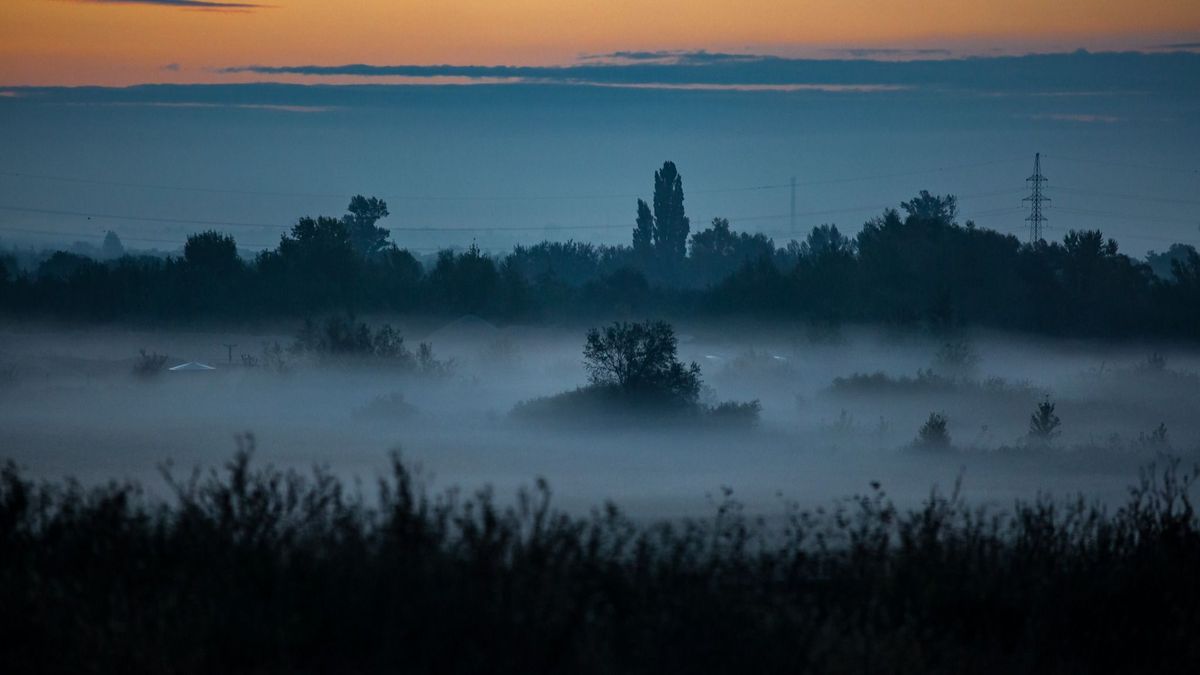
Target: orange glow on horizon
[[73, 42]]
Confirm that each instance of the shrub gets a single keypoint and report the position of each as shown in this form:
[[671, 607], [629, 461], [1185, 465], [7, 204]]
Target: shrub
[[1043, 423], [733, 414], [428, 364], [342, 338], [1154, 363], [1156, 440], [149, 364], [933, 434], [271, 358], [956, 359]]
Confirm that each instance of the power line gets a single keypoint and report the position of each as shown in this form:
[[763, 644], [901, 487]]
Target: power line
[[154, 240], [453, 228], [96, 235], [1118, 195], [509, 197], [148, 219], [1126, 165], [1126, 216], [998, 211], [173, 188]]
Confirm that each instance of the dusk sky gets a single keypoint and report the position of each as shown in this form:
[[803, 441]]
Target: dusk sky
[[574, 104], [121, 42]]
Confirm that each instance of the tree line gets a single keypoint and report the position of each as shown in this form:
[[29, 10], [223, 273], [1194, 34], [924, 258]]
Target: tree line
[[914, 266]]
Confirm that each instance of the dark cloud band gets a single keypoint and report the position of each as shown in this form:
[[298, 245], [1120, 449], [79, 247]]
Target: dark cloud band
[[187, 4], [1070, 72]]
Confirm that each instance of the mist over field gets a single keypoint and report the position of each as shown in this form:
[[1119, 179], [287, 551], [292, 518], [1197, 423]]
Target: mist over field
[[839, 409]]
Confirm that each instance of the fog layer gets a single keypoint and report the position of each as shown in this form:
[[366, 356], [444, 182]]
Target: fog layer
[[840, 408]]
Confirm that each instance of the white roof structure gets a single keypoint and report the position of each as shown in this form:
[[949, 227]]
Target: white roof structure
[[191, 366]]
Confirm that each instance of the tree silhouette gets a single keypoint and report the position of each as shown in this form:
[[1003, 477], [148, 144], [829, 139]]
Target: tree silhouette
[[315, 268], [640, 358], [1043, 423], [718, 251], [112, 247], [824, 241], [935, 208], [643, 234], [365, 236], [211, 251], [467, 282], [933, 434], [671, 225]]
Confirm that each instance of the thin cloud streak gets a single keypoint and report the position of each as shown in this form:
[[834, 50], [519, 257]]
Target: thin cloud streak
[[875, 52], [213, 5]]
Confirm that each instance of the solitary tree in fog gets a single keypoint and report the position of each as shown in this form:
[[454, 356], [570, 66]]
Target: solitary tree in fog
[[933, 435], [640, 357], [1043, 423]]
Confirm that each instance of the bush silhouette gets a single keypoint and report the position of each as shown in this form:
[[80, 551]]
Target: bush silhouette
[[933, 434], [149, 364], [1043, 423]]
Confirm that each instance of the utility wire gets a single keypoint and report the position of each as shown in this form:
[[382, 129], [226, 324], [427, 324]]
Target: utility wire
[[488, 228], [150, 240], [1119, 195], [149, 219], [511, 197], [1133, 218], [1127, 165]]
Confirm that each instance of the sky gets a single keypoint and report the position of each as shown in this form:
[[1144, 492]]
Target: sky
[[160, 118], [115, 42]]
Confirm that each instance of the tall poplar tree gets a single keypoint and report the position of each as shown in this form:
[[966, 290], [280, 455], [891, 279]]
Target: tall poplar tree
[[671, 226], [643, 233]]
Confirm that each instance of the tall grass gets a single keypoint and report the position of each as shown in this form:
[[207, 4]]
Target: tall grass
[[255, 569]]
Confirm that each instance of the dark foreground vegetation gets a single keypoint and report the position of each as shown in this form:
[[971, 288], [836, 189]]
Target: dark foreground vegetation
[[916, 267], [253, 569]]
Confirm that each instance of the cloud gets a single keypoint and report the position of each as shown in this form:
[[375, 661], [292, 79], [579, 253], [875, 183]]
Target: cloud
[[216, 5], [1084, 118], [171, 67], [870, 52], [675, 57], [1062, 73], [1180, 45], [274, 107]]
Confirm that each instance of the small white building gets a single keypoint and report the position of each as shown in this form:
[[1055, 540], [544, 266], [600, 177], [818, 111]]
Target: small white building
[[191, 367]]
